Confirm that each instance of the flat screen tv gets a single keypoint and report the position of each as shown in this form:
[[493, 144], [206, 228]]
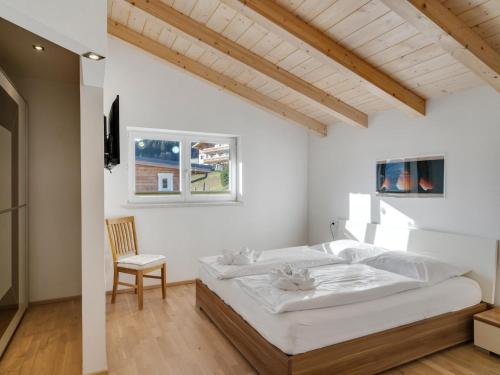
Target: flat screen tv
[[423, 176], [112, 136]]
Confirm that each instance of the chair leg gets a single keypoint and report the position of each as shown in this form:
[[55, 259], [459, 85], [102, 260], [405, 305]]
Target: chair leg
[[140, 295], [135, 289], [115, 285], [164, 281]]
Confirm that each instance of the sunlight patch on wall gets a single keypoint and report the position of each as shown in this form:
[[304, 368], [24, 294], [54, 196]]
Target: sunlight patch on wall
[[355, 231], [390, 215], [393, 235], [360, 207]]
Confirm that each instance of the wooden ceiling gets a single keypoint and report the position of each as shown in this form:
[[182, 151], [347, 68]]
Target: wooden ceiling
[[316, 62]]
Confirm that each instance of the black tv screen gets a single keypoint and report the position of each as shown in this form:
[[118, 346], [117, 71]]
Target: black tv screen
[[112, 140], [420, 176]]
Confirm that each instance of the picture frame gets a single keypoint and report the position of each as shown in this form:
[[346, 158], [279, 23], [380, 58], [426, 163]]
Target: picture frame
[[422, 176]]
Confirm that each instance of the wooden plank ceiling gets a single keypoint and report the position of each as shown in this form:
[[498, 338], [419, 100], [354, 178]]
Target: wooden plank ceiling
[[316, 62]]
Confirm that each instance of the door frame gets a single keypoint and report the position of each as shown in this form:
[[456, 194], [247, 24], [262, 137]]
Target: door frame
[[21, 208]]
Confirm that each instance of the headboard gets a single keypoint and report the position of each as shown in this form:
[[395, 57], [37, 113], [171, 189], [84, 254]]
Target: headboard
[[479, 254]]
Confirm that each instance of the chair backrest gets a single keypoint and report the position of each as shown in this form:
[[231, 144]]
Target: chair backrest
[[122, 236]]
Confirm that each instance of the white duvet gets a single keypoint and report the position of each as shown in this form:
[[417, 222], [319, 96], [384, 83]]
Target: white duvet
[[338, 284], [298, 257]]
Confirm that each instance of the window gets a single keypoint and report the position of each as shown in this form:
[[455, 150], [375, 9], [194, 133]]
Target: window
[[157, 166], [168, 166], [210, 168]]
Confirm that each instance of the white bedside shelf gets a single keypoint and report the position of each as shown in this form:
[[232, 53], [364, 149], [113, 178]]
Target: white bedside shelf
[[487, 330]]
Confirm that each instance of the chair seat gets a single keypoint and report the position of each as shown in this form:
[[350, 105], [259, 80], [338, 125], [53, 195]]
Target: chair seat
[[141, 261]]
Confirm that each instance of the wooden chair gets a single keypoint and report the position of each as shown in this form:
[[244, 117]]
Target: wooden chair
[[126, 258]]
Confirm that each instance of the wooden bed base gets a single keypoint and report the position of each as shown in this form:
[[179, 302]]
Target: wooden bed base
[[365, 355]]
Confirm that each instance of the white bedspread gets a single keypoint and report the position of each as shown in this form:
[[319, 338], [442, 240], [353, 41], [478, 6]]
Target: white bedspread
[[300, 257], [339, 284], [301, 331]]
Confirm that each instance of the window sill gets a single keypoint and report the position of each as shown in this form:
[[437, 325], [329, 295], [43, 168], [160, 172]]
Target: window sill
[[133, 205]]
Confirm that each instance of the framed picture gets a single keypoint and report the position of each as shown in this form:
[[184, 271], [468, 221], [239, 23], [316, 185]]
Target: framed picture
[[418, 176]]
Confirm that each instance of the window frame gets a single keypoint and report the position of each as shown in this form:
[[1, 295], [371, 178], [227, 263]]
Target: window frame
[[185, 139]]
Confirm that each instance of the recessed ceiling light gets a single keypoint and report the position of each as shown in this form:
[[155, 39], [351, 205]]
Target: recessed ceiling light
[[93, 56], [38, 47]]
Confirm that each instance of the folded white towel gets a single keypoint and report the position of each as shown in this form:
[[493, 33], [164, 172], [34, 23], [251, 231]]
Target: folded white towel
[[239, 257], [289, 278]]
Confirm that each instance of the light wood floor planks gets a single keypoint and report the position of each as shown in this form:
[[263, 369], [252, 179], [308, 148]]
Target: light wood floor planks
[[47, 342], [169, 337]]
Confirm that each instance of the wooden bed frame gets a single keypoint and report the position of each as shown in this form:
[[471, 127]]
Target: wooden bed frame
[[365, 355]]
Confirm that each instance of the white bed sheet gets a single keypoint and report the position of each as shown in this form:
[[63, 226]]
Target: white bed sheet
[[301, 331]]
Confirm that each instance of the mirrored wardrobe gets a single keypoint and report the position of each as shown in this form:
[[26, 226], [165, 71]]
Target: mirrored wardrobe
[[13, 208]]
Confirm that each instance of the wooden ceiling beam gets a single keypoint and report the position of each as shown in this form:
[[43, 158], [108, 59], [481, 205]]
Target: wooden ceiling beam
[[233, 50], [218, 79], [441, 26], [295, 31]]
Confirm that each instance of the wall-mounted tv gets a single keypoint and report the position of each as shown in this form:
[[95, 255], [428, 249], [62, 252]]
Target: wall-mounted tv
[[112, 136], [421, 176]]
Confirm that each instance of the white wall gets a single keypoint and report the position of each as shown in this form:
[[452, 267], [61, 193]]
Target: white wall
[[93, 293], [274, 213], [464, 126], [80, 26], [54, 187]]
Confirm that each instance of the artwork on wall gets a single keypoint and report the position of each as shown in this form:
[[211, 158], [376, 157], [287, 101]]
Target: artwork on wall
[[419, 176]]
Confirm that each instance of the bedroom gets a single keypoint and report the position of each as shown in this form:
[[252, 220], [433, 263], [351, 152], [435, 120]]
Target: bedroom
[[260, 88]]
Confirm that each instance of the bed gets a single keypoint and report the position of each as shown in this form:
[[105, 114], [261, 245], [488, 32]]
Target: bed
[[366, 337]]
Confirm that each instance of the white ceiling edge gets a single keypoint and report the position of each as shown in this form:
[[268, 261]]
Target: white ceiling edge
[[69, 28]]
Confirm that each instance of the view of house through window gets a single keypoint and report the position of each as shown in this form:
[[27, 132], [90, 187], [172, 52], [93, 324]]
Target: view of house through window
[[157, 166], [209, 167], [182, 166]]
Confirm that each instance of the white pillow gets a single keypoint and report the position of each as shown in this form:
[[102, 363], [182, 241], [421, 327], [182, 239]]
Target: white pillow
[[335, 247], [423, 268], [361, 251]]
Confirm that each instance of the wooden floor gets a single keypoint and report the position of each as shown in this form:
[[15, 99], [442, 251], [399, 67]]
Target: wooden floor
[[48, 341], [169, 337]]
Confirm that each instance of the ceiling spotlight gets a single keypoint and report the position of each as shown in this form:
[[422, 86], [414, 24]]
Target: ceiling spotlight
[[93, 56], [38, 47]]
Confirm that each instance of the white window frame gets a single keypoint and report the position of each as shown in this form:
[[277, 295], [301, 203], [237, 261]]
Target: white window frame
[[185, 139]]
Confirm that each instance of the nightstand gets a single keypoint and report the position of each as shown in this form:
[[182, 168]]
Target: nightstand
[[487, 330]]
